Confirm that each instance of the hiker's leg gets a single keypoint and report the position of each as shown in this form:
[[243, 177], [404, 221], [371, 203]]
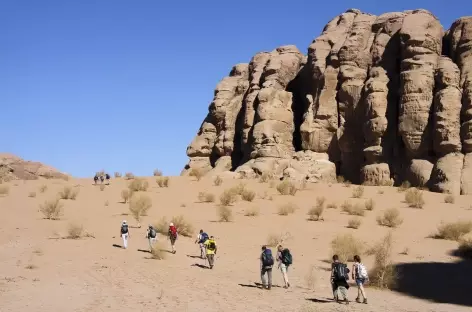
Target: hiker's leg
[[269, 274], [362, 291], [283, 268], [343, 292], [335, 290], [212, 260], [263, 280], [125, 240]]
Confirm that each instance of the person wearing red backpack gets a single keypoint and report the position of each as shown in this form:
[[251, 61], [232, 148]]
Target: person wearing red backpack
[[172, 234]]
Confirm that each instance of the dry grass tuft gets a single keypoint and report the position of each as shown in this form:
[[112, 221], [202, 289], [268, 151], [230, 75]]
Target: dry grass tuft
[[316, 212], [354, 223], [274, 240], [197, 173], [390, 218], [252, 212], [117, 174], [266, 177], [225, 213], [102, 187], [332, 206], [465, 248], [31, 267], [139, 204], [405, 251], [287, 188], [125, 195], [217, 181], [369, 204], [163, 181], [157, 173], [138, 185], [404, 186], [340, 179], [75, 231], [414, 198], [158, 252], [453, 230], [205, 197], [107, 203], [347, 183], [228, 197], [286, 209], [380, 191], [353, 210], [248, 195], [43, 188], [449, 199], [69, 193], [383, 274], [52, 209], [184, 227], [238, 189], [129, 175], [358, 191], [346, 247], [32, 194]]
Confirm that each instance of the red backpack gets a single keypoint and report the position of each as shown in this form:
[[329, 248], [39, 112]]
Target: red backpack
[[173, 231]]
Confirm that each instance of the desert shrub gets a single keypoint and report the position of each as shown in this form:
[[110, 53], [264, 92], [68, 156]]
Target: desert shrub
[[102, 187], [340, 179], [228, 197], [69, 193], [125, 195], [358, 191], [205, 197], [274, 240], [162, 226], [238, 189], [383, 273], [248, 195], [32, 194], [157, 173], [347, 183], [138, 185], [346, 247], [266, 176], [414, 198], [43, 188], [316, 213], [390, 217], [369, 204], [107, 203], [162, 181], [353, 210], [158, 252], [139, 204], [184, 227], [354, 223], [453, 230], [129, 175], [52, 209], [449, 199], [218, 181], [404, 186], [252, 212], [346, 206], [380, 191], [75, 231], [405, 251], [197, 173], [117, 174], [31, 267], [332, 206], [465, 248], [286, 209], [320, 201], [225, 213], [287, 188]]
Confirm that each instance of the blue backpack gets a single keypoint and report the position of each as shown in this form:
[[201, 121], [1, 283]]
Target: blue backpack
[[267, 258], [204, 237]]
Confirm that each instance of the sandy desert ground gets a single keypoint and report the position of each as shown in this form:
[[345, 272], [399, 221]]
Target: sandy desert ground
[[42, 273]]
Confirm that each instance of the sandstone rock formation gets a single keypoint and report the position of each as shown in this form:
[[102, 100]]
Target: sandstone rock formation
[[15, 168], [377, 99]]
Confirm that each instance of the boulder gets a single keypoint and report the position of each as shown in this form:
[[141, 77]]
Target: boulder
[[446, 174]]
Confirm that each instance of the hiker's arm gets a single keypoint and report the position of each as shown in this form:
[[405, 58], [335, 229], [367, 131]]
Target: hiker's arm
[[353, 271]]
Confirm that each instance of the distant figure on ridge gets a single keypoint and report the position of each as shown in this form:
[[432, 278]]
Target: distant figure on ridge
[[267, 261], [211, 248], [107, 177], [151, 235], [201, 239], [95, 179], [124, 232], [172, 234]]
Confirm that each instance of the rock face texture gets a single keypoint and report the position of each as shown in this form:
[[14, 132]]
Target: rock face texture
[[15, 168], [378, 100]]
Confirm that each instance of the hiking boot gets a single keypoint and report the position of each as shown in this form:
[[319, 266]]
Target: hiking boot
[[358, 300], [269, 287], [365, 301], [346, 301]]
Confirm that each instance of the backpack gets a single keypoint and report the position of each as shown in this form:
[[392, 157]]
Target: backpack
[[152, 233], [107, 176], [211, 245], [267, 259], [203, 237], [173, 231], [286, 257], [124, 229], [341, 272], [362, 271]]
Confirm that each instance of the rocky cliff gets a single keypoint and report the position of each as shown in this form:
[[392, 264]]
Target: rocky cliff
[[15, 168], [377, 99]]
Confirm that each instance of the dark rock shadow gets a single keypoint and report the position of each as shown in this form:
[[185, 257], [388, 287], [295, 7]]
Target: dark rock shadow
[[436, 281]]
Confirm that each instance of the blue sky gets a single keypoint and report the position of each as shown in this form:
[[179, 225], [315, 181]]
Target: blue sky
[[124, 85]]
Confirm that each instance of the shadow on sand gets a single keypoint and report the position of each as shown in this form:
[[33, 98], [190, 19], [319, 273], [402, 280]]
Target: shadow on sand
[[325, 300], [195, 257], [201, 266], [117, 246], [437, 281]]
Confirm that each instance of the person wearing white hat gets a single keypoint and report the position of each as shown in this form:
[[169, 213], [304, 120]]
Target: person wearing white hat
[[124, 232], [172, 233]]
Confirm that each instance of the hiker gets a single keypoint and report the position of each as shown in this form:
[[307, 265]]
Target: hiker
[[124, 232], [339, 277], [151, 235], [284, 258], [210, 246], [359, 274], [107, 177], [267, 261], [201, 239], [101, 178], [172, 234], [95, 179]]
